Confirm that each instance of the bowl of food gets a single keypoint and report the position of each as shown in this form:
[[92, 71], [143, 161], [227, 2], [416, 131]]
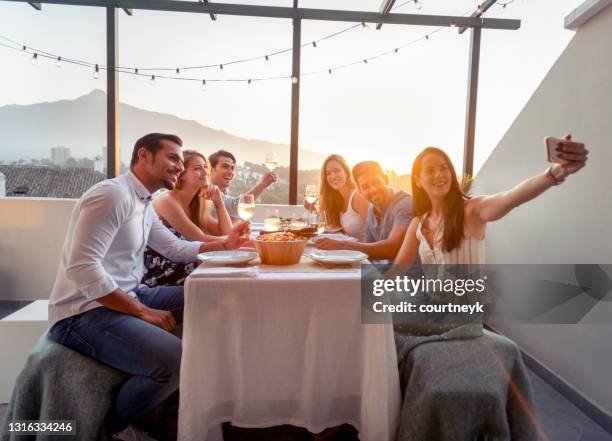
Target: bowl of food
[[280, 248]]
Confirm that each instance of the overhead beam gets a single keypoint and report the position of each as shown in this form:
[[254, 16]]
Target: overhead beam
[[479, 11], [385, 8], [213, 17], [301, 13], [35, 5]]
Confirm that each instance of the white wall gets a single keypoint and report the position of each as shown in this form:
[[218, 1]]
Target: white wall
[[32, 232], [571, 223]]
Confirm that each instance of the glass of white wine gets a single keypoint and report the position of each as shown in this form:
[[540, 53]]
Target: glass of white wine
[[317, 220], [311, 194], [271, 161], [246, 206]]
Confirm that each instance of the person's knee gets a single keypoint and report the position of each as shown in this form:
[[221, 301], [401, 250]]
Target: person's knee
[[168, 367]]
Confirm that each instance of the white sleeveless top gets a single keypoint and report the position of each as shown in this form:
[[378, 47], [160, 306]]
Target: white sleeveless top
[[471, 250], [351, 222]]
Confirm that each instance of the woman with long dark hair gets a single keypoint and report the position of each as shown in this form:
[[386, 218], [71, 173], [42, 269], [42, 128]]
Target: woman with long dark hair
[[185, 210], [343, 205], [449, 226]]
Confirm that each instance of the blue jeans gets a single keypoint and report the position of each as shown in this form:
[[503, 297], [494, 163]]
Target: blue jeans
[[150, 354]]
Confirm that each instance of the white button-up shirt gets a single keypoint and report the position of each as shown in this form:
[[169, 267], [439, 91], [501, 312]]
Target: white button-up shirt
[[109, 229]]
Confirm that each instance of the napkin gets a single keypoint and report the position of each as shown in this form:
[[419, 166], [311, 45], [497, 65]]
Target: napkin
[[224, 271]]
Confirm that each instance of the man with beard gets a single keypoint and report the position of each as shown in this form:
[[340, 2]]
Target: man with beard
[[98, 306], [389, 214]]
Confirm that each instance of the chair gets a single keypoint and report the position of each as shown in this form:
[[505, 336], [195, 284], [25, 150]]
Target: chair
[[58, 383], [466, 390]]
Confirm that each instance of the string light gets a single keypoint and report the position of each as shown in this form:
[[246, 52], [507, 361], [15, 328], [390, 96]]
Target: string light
[[96, 73], [203, 86], [24, 51], [35, 55]]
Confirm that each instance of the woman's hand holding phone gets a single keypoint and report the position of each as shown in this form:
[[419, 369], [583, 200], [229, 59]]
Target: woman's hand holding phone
[[566, 156]]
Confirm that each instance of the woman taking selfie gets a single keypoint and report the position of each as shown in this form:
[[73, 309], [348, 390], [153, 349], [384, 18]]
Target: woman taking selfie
[[185, 211], [342, 204], [449, 226]]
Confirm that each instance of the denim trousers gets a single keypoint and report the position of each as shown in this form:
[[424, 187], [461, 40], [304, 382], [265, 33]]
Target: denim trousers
[[151, 355]]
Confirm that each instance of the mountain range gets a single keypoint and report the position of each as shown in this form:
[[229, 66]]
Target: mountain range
[[29, 132]]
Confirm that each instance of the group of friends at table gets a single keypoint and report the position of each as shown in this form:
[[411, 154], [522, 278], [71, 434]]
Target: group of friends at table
[[118, 294]]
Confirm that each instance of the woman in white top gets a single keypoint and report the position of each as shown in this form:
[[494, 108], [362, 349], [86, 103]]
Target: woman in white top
[[449, 226], [343, 205]]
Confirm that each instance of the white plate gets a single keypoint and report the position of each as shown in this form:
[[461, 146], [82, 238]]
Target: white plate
[[338, 257], [227, 257], [335, 236]]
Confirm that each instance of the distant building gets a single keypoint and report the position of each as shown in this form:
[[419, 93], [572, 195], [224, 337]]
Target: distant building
[[59, 155], [48, 182]]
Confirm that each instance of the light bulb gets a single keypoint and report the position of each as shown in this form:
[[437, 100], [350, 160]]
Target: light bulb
[[34, 58], [135, 74], [329, 71], [203, 86], [294, 80], [96, 74], [24, 51], [222, 71], [58, 62], [152, 81], [177, 72]]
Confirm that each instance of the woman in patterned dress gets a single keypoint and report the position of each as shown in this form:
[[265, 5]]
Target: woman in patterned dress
[[185, 211]]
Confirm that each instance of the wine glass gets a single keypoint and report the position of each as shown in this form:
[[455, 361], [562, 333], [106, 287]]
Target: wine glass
[[272, 221], [271, 161], [246, 206], [311, 194], [317, 220]]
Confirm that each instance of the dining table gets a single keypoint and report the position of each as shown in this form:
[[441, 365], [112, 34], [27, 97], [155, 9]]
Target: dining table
[[267, 345]]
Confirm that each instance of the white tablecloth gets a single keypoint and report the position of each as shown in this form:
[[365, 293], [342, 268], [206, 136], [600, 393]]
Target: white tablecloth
[[285, 348]]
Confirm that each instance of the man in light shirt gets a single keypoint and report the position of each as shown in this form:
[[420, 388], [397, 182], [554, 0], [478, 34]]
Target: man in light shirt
[[98, 306], [222, 172]]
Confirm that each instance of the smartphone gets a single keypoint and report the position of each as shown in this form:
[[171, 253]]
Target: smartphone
[[551, 143]]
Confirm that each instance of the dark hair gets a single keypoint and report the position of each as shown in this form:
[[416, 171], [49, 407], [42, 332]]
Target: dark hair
[[331, 200], [152, 143], [368, 168], [214, 158], [454, 201], [198, 206]]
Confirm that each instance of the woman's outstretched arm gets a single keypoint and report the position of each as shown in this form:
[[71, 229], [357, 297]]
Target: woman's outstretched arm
[[409, 250], [494, 207]]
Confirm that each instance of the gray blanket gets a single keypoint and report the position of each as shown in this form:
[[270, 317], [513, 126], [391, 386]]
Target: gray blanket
[[458, 390], [58, 383]]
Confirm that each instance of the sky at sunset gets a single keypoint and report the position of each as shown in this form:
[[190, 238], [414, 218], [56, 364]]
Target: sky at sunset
[[387, 109]]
